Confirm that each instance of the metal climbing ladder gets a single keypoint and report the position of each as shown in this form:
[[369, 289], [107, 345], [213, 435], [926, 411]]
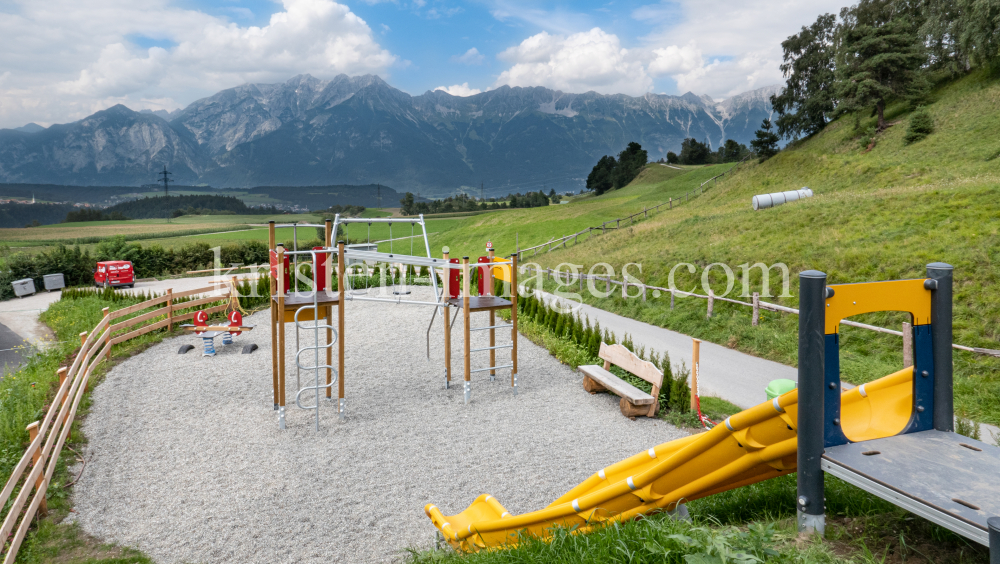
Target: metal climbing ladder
[[316, 367]]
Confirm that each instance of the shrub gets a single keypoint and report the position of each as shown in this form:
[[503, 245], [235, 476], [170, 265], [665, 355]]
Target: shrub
[[921, 125]]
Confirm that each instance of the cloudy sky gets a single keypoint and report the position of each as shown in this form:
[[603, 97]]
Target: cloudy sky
[[62, 60]]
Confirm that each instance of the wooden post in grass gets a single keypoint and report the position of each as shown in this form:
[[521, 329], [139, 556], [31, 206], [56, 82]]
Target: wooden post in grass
[[170, 309], [670, 204], [62, 379], [695, 365], [607, 282], [907, 344], [643, 292], [579, 277], [36, 459], [711, 303], [671, 298], [107, 338], [756, 309]]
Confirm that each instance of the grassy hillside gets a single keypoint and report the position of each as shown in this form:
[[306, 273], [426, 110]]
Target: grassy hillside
[[877, 215], [654, 185]]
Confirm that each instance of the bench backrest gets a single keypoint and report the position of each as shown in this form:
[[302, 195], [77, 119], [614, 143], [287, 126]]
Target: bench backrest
[[626, 359]]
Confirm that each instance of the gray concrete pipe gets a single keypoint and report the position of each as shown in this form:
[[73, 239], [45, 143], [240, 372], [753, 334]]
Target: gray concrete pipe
[[764, 201]]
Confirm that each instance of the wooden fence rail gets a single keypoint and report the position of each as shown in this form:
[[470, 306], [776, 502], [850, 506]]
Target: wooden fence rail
[[756, 304], [48, 436]]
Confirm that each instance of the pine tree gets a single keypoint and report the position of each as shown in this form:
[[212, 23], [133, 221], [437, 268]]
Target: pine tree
[[877, 61], [766, 142]]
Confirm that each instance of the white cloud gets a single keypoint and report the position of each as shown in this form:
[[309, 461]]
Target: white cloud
[[590, 60], [675, 60], [470, 57], [727, 48], [459, 89], [68, 58]]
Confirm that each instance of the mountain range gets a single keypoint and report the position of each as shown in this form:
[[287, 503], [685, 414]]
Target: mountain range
[[361, 130]]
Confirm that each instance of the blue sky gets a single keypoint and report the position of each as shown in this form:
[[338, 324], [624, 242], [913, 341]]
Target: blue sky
[[65, 59]]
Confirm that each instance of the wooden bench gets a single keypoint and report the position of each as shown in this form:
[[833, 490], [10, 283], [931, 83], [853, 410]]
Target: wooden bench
[[634, 402]]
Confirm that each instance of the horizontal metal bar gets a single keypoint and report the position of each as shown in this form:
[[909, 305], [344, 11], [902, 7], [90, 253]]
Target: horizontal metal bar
[[492, 348], [390, 300], [277, 225], [419, 221], [962, 528], [492, 368], [490, 327]]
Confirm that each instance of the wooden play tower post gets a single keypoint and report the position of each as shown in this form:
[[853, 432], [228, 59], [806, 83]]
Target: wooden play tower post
[[274, 314], [341, 403], [446, 276], [467, 360]]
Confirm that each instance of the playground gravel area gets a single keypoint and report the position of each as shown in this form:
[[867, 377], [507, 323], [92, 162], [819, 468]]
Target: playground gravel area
[[186, 461]]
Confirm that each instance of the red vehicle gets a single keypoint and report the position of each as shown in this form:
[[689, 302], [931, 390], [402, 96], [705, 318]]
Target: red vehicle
[[115, 273]]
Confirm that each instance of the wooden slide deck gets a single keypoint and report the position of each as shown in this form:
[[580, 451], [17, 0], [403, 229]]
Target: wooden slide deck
[[753, 445]]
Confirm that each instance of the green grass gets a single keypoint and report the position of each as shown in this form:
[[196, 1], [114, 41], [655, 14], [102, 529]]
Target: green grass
[[532, 226]]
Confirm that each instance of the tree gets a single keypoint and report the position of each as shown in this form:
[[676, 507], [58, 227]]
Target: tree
[[921, 125], [940, 32], [733, 151], [693, 152], [406, 204], [672, 158], [877, 62], [806, 103], [630, 162], [979, 32], [766, 142], [600, 179]]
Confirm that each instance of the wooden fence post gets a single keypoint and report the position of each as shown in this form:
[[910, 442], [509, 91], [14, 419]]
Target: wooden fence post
[[62, 379], [756, 309], [671, 298], [907, 344], [695, 366], [643, 292], [579, 277], [170, 309], [711, 303], [36, 459], [83, 340], [624, 287], [645, 212], [107, 339], [670, 204], [608, 286]]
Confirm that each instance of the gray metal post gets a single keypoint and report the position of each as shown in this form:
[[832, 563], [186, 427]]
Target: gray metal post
[[993, 523], [941, 304], [812, 318]]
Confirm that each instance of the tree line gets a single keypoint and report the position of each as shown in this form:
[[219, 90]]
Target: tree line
[[465, 203], [695, 153], [879, 51]]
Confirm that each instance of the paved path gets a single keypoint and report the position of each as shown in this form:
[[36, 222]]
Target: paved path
[[731, 375]]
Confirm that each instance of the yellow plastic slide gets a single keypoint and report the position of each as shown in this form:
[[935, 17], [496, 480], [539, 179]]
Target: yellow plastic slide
[[751, 446]]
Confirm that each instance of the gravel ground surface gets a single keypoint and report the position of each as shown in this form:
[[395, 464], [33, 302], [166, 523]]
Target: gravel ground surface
[[187, 463]]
